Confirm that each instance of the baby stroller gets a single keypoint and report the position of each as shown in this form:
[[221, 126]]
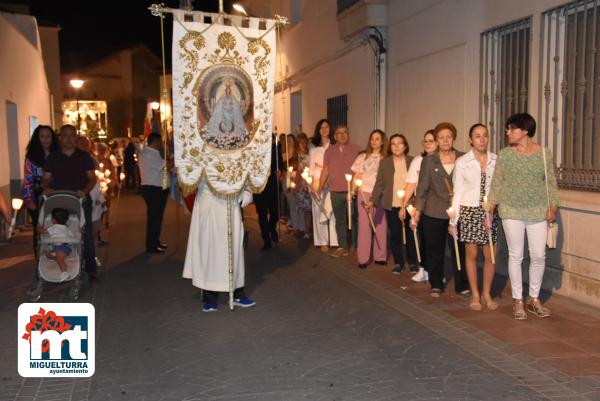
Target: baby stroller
[[47, 269]]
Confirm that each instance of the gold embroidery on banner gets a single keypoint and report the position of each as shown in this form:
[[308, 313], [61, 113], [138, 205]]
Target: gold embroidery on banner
[[261, 63]]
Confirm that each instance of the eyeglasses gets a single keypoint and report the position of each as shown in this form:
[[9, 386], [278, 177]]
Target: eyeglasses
[[429, 141]]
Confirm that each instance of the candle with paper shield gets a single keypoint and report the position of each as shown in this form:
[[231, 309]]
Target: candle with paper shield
[[451, 213], [349, 180], [485, 205], [411, 210], [17, 203], [400, 194], [358, 182], [288, 177], [121, 179]]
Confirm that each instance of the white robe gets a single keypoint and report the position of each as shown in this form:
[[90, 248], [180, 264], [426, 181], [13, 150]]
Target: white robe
[[324, 234], [207, 256]]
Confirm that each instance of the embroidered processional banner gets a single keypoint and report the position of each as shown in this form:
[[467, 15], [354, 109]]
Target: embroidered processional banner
[[223, 83]]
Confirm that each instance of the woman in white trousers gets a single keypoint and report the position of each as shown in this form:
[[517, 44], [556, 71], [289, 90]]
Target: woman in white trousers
[[525, 191]]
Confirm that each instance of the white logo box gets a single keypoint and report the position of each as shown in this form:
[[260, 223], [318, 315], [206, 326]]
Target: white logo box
[[77, 362]]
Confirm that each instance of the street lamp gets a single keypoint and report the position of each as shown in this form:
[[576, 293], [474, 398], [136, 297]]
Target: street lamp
[[240, 9], [77, 84]]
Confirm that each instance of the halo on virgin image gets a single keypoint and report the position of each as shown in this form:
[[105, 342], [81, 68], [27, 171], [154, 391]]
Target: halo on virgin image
[[225, 106]]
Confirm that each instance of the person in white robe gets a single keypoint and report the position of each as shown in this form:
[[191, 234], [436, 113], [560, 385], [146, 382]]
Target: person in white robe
[[324, 232], [207, 256]]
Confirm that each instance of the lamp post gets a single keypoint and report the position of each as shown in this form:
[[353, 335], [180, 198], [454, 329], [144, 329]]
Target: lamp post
[[77, 84]]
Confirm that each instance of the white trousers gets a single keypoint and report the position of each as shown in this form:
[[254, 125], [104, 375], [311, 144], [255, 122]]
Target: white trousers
[[514, 231], [324, 233]]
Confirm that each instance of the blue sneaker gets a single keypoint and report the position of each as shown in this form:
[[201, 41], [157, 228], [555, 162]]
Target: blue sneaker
[[210, 307], [244, 302]]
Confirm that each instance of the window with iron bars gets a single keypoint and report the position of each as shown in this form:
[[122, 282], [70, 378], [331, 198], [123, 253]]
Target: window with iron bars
[[337, 110], [504, 77], [570, 105]]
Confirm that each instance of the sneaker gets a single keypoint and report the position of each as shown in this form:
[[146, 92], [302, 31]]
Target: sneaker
[[397, 269], [306, 236], [209, 307], [244, 302], [420, 276], [64, 276]]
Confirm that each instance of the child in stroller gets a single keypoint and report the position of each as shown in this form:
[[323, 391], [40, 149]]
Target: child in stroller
[[59, 230]]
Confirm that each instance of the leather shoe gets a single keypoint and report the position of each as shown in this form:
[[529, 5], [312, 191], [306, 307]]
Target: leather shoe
[[163, 246], [158, 249]]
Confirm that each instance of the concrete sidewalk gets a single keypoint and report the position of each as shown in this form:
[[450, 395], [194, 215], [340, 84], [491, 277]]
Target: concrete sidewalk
[[322, 330]]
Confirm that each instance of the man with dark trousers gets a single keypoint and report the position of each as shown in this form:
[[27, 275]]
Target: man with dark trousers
[[71, 169], [266, 201], [152, 170]]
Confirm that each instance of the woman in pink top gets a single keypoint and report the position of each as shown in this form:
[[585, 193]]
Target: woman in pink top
[[365, 168]]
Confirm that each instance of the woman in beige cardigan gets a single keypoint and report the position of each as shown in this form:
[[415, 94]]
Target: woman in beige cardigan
[[391, 177]]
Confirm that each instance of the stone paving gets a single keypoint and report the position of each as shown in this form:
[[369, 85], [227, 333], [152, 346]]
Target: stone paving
[[322, 330]]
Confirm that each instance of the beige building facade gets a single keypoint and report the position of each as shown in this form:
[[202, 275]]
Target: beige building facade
[[24, 96], [441, 63]]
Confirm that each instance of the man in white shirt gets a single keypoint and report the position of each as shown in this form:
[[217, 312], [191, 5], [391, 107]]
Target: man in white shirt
[[152, 170]]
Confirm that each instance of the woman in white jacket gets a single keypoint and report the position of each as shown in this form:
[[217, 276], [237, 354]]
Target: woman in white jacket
[[472, 178]]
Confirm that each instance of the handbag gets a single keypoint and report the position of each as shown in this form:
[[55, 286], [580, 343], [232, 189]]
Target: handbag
[[552, 233]]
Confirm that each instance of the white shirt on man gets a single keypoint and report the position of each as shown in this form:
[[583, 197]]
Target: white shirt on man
[[152, 167]]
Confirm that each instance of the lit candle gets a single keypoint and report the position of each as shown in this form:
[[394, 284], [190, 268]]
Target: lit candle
[[452, 214], [122, 176], [107, 173], [101, 166], [400, 194], [348, 179], [412, 210]]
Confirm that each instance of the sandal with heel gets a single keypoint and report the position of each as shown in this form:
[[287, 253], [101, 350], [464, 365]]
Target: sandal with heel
[[519, 310], [535, 306]]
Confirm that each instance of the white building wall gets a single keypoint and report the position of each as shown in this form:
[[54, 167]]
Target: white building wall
[[321, 65], [23, 82]]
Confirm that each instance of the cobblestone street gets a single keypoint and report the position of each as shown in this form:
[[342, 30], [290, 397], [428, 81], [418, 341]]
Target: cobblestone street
[[322, 330]]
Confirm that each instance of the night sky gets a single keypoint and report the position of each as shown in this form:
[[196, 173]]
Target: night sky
[[88, 26]]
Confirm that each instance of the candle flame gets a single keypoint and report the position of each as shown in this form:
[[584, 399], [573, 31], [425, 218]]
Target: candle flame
[[358, 182], [401, 193], [309, 180]]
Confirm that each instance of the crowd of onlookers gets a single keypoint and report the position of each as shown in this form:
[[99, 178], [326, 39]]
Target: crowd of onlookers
[[378, 201], [93, 170]]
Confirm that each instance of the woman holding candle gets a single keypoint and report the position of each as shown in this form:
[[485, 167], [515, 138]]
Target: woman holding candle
[[524, 189], [365, 169], [290, 184], [434, 196], [43, 141], [472, 178], [429, 147], [323, 219], [302, 195], [390, 182]]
